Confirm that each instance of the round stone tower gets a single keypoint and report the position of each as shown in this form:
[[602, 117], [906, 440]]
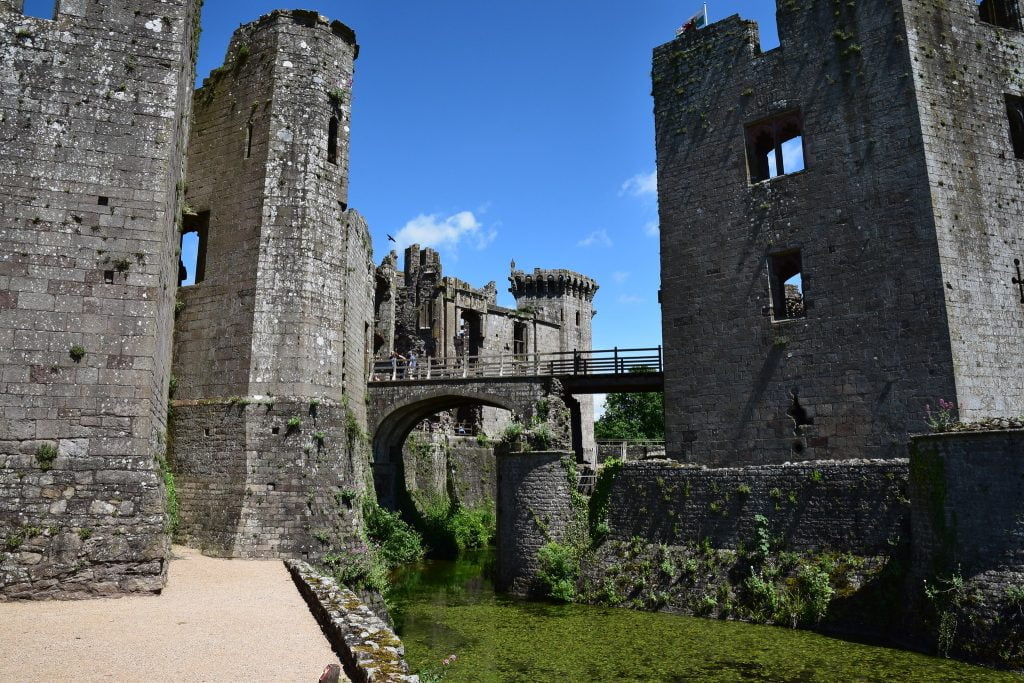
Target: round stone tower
[[565, 299]]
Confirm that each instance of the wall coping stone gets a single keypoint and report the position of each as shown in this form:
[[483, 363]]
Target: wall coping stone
[[370, 650], [668, 463]]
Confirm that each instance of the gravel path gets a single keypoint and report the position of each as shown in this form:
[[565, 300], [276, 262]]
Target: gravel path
[[217, 620]]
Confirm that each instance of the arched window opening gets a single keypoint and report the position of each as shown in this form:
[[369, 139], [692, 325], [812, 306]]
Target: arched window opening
[[332, 141]]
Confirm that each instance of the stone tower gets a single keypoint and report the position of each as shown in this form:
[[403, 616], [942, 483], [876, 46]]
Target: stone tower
[[840, 224], [94, 106], [565, 298], [270, 355]]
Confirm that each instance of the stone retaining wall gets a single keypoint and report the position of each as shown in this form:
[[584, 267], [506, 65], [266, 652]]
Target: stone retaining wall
[[369, 648], [858, 506], [967, 518]]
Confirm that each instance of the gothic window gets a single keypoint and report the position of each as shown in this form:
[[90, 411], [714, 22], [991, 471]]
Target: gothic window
[[332, 141], [1015, 114], [785, 284], [775, 146], [1003, 13]]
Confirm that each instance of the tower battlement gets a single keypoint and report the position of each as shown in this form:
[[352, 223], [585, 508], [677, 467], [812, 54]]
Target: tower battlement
[[551, 283]]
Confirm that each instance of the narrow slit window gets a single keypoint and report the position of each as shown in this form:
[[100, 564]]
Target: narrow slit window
[[332, 141], [775, 147], [248, 140], [40, 9], [1015, 114], [786, 286], [192, 264], [577, 318], [1002, 13]]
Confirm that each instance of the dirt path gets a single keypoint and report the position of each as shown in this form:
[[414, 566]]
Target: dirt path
[[217, 620]]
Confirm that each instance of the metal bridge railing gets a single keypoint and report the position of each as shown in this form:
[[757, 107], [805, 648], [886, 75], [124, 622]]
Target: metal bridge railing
[[614, 361]]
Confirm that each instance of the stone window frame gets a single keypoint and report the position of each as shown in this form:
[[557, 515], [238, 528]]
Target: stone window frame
[[19, 6], [777, 127], [1015, 122], [777, 278], [1001, 13]]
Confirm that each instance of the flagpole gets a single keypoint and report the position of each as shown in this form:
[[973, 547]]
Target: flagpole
[[705, 14]]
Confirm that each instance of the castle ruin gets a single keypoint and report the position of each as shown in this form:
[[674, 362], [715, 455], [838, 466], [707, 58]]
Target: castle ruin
[[849, 251]]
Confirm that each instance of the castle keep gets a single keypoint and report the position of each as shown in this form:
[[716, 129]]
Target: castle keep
[[871, 165]]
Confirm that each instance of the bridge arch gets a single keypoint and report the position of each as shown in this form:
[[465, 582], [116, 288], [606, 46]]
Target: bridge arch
[[393, 417]]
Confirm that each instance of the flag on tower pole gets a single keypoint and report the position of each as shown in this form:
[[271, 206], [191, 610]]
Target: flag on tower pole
[[698, 20]]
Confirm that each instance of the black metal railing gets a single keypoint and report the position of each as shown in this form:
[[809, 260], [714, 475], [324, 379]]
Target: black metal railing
[[600, 362]]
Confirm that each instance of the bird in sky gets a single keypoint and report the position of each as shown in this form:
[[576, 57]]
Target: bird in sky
[[392, 239]]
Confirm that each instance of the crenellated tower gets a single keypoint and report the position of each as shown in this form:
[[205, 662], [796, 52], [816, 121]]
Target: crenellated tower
[[566, 299]]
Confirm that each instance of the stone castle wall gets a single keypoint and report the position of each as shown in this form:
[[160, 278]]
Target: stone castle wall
[[852, 377], [963, 69], [857, 507], [94, 108], [251, 486]]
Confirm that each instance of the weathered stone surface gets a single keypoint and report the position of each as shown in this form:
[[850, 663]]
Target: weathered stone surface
[[94, 110], [968, 529], [251, 486], [859, 506], [369, 648], [903, 219], [534, 507]]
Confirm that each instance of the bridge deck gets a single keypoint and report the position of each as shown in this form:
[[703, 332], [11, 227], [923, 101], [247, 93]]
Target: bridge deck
[[581, 372]]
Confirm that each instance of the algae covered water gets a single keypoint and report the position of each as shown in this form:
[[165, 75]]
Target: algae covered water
[[443, 608]]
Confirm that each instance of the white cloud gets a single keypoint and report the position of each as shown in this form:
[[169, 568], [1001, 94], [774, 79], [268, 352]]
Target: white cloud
[[435, 231], [630, 299], [620, 276], [652, 228], [598, 238], [640, 185]]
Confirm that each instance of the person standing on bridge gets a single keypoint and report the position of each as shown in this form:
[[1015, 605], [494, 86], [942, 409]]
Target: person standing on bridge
[[412, 363], [395, 357]]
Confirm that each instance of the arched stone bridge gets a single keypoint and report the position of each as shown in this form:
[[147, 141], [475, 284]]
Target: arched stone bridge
[[401, 397]]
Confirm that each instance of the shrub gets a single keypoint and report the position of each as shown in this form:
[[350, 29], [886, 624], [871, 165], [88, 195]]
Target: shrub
[[77, 352], [512, 432], [294, 422], [45, 455], [397, 542], [817, 592], [558, 571]]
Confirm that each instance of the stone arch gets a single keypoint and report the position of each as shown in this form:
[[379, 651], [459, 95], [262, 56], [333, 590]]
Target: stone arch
[[390, 430]]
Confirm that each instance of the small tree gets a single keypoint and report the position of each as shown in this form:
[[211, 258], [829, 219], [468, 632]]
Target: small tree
[[632, 416]]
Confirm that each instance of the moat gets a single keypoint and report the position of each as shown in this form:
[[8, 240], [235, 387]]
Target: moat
[[443, 608]]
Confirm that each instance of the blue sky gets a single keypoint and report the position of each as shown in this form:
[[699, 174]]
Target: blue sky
[[510, 130]]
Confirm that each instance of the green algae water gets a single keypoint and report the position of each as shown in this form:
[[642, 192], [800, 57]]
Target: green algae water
[[443, 608]]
